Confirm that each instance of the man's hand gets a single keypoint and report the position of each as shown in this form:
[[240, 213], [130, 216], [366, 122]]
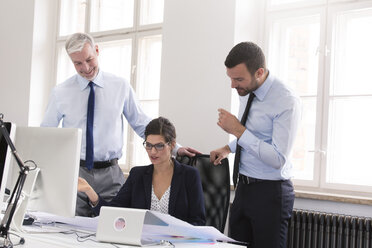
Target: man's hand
[[219, 154], [188, 151], [230, 123]]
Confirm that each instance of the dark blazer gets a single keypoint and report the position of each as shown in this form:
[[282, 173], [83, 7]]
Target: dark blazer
[[186, 201]]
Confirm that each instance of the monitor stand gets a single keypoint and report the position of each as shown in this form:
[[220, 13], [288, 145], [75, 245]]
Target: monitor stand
[[19, 214]]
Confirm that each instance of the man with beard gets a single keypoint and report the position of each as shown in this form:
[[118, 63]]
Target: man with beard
[[265, 132], [97, 102]]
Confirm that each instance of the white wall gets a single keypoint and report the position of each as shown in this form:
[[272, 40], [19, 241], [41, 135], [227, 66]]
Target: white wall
[[197, 36], [249, 21], [42, 64], [27, 30], [16, 28]]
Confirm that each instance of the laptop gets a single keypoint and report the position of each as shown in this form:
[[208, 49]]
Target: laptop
[[125, 226]]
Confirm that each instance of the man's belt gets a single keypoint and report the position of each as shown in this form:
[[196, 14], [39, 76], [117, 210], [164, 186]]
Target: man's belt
[[250, 180], [101, 164]]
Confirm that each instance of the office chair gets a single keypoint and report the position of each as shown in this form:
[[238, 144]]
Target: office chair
[[216, 187]]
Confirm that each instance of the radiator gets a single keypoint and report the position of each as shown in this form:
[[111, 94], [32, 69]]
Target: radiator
[[324, 230]]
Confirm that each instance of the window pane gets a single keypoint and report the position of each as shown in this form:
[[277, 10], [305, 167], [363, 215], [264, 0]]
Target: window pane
[[122, 160], [72, 16], [294, 59], [148, 73], [352, 53], [140, 155], [151, 108], [115, 57], [349, 151], [294, 53], [112, 14], [65, 68], [303, 152], [151, 11]]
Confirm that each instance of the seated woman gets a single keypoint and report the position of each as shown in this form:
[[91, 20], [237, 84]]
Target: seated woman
[[165, 185]]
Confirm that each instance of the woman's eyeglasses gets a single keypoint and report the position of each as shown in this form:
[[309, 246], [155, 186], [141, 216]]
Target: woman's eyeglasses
[[159, 146]]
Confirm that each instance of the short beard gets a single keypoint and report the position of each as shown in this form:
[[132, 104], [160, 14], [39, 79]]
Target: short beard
[[254, 87]]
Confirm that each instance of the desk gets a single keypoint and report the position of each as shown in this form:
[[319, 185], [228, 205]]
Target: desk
[[60, 240]]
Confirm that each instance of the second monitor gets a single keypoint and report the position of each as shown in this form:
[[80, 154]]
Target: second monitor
[[56, 151]]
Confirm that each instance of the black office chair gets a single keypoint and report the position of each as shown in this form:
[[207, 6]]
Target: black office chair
[[216, 187]]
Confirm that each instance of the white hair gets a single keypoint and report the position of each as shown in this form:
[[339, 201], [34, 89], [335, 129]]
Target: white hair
[[76, 42]]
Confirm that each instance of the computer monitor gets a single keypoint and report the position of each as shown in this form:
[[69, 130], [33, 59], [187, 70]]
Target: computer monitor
[[5, 157], [56, 151]]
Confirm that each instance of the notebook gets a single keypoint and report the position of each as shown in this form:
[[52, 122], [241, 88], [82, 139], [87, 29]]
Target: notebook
[[123, 225]]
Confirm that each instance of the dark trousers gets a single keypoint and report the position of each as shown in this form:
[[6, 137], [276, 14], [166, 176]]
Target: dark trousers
[[260, 212]]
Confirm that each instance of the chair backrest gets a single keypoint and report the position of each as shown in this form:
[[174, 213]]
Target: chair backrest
[[216, 187]]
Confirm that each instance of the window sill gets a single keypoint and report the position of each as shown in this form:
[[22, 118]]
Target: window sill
[[333, 197]]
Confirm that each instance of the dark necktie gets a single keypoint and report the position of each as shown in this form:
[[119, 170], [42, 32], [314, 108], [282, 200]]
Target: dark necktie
[[89, 153], [238, 147]]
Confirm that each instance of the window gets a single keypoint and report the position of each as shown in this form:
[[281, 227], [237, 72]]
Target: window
[[321, 49], [111, 15], [129, 36], [148, 80], [296, 48]]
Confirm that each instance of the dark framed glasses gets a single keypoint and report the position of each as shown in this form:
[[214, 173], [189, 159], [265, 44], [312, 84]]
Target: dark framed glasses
[[159, 146]]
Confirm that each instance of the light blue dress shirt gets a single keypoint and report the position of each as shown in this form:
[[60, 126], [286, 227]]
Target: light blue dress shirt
[[115, 99], [271, 130]]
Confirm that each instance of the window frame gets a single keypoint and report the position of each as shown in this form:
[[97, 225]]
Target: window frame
[[331, 23], [327, 23], [292, 13]]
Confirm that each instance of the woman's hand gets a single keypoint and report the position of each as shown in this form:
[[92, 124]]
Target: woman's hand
[[83, 186]]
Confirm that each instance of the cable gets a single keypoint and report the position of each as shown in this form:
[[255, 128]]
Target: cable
[[20, 242], [81, 238], [167, 243], [86, 237], [32, 162]]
